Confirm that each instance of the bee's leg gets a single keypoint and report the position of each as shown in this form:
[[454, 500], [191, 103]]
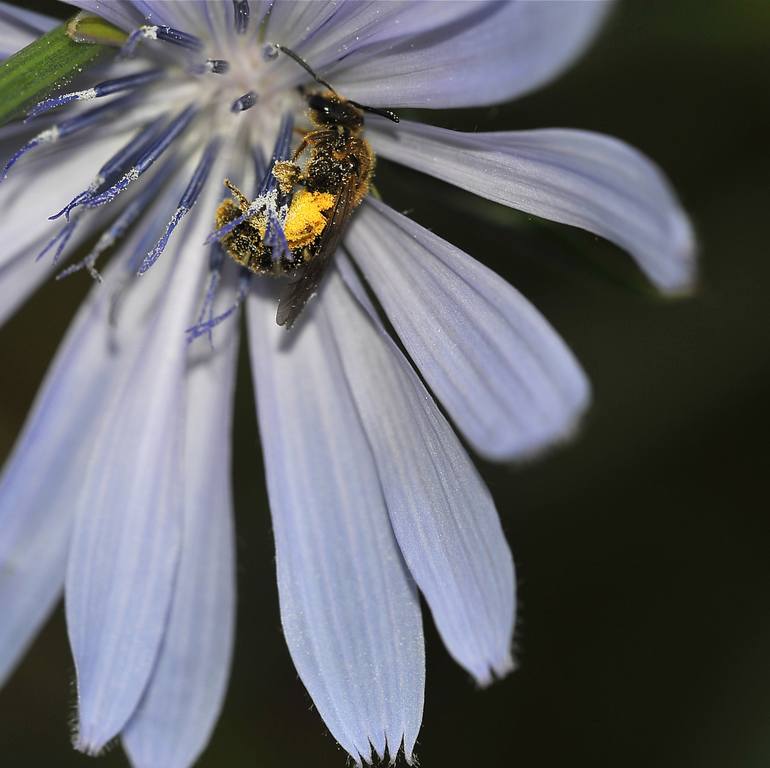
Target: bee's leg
[[243, 201], [301, 148]]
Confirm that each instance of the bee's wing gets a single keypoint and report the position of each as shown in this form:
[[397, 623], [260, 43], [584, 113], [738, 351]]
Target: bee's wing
[[302, 288]]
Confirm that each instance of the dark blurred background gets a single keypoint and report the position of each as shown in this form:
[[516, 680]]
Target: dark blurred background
[[642, 548]]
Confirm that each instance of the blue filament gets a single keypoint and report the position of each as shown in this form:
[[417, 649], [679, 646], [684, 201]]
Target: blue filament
[[268, 182], [153, 255], [128, 278], [200, 175], [227, 228], [146, 160], [216, 257], [115, 166], [90, 117], [42, 138], [187, 201], [63, 129], [242, 103], [241, 15], [203, 327], [210, 66], [105, 88], [260, 164], [163, 33], [281, 151], [147, 195], [127, 155], [270, 51], [275, 238], [177, 37], [59, 240]]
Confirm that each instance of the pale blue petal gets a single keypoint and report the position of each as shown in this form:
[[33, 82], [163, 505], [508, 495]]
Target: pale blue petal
[[165, 12], [18, 279], [180, 707], [42, 476], [292, 23], [349, 608], [36, 517], [27, 198], [22, 17], [442, 513], [193, 16], [22, 275], [212, 22], [574, 177], [366, 28], [20, 27], [506, 378], [497, 52], [129, 510], [325, 33]]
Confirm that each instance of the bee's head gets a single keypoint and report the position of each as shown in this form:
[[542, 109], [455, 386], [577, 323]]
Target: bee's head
[[329, 109]]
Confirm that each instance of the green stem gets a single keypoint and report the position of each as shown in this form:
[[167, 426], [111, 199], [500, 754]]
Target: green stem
[[35, 71]]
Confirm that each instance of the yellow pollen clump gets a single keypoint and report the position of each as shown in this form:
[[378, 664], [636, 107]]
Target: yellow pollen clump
[[305, 220]]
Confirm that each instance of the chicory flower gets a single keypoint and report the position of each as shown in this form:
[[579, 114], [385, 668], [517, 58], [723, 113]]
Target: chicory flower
[[118, 490]]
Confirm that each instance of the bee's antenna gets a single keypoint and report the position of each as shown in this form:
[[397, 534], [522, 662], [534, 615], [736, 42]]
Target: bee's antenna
[[303, 64], [389, 113]]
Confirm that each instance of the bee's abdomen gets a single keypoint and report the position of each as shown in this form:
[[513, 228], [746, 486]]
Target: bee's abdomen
[[325, 174], [245, 245], [334, 165]]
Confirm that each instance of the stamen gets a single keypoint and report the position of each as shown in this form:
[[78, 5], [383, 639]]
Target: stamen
[[79, 199], [267, 192], [153, 255], [270, 51], [164, 33], [247, 101], [275, 238], [274, 234], [159, 146], [116, 165], [177, 37], [49, 136], [62, 238], [147, 194], [216, 258], [128, 278], [241, 14], [127, 155], [218, 234], [210, 67], [281, 151], [63, 129], [200, 175], [218, 66], [260, 164], [205, 327], [147, 32], [187, 201], [105, 88]]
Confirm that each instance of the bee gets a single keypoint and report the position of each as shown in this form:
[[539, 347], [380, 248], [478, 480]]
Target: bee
[[328, 186]]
